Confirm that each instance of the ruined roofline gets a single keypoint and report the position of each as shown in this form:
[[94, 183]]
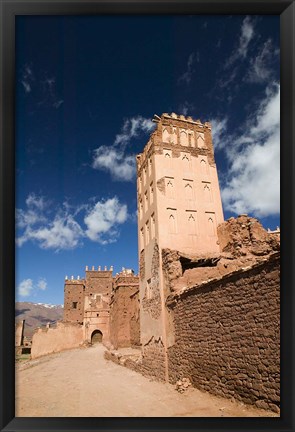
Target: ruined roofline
[[186, 291]]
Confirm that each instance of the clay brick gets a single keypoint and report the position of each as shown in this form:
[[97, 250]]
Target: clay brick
[[237, 356]]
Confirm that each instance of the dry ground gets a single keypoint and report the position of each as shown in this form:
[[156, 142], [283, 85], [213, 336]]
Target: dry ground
[[80, 382]]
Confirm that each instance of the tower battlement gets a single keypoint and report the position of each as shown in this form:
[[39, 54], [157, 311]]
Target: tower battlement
[[177, 133]]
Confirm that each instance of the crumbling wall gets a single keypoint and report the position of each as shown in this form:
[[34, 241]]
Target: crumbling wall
[[244, 236], [243, 243], [153, 359], [227, 335], [124, 316], [150, 361], [50, 340], [151, 301]]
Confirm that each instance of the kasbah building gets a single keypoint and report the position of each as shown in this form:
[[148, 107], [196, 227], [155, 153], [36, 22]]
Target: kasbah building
[[205, 306]]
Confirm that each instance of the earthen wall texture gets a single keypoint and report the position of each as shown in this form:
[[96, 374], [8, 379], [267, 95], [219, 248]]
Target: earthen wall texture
[[74, 293], [151, 301], [124, 315], [227, 336], [51, 340], [99, 282], [153, 359]]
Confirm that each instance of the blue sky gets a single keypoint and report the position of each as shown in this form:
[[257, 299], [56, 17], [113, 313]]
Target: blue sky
[[86, 90]]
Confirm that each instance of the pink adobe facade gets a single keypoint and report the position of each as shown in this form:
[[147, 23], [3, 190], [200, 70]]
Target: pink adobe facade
[[179, 207], [179, 199]]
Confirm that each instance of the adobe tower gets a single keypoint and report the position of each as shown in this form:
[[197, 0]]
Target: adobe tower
[[179, 207]]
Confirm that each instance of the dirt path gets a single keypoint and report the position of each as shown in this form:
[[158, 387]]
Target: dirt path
[[81, 383]]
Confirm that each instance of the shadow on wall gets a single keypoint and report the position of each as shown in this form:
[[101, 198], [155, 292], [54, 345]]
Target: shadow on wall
[[96, 337]]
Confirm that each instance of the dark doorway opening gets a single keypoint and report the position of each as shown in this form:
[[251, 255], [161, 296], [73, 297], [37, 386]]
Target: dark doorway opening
[[96, 337]]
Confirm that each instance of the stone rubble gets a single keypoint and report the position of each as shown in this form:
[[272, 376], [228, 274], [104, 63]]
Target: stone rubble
[[182, 385]]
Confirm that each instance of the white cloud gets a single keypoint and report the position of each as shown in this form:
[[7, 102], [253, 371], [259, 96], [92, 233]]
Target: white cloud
[[102, 220], [260, 66], [27, 86], [29, 217], [25, 288], [58, 103], [120, 166], [219, 128], [185, 108], [113, 158], [27, 78], [34, 212], [35, 201], [62, 231], [187, 75], [42, 284], [46, 87], [253, 184], [247, 34], [132, 127]]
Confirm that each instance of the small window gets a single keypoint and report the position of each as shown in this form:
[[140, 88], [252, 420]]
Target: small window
[[151, 192], [74, 305], [148, 289], [153, 226]]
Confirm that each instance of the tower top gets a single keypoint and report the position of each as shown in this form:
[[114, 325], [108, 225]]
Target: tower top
[[180, 117], [178, 133]]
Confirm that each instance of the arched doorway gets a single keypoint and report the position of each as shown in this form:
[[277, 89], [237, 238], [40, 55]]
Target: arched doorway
[[96, 337]]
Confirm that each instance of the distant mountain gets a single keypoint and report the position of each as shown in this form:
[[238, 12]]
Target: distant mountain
[[37, 315]]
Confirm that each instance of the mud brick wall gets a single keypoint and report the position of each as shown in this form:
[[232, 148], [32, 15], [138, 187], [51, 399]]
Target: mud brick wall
[[98, 282], [51, 340], [227, 336], [153, 359], [124, 315], [74, 293]]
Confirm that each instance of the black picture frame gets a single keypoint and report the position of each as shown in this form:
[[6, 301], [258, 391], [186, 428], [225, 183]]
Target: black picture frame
[[9, 10]]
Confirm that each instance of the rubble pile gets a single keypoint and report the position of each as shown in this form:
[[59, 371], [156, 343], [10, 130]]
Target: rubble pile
[[243, 243], [182, 385], [244, 236]]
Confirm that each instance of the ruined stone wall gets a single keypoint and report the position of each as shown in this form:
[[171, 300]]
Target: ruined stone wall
[[74, 300], [153, 359], [227, 335], [151, 301], [124, 313], [51, 340]]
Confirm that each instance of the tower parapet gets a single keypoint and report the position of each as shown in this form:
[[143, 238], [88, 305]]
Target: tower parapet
[[177, 132]]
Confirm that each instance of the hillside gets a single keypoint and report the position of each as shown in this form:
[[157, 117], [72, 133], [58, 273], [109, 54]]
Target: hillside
[[36, 315]]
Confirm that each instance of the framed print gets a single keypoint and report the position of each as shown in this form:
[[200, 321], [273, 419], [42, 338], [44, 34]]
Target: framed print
[[145, 162]]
